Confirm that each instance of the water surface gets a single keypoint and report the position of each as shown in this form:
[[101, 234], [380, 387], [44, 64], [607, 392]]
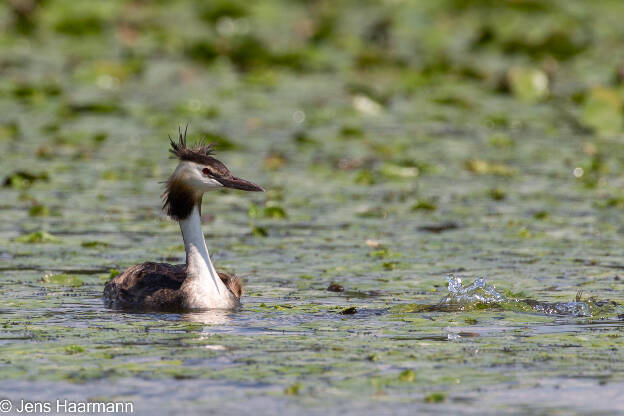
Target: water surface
[[394, 154]]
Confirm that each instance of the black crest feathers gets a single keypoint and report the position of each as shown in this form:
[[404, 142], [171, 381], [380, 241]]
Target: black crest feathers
[[199, 153]]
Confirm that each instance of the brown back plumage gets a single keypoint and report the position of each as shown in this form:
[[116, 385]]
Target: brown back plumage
[[156, 286]]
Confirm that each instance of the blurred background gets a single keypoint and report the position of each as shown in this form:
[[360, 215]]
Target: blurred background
[[415, 107], [398, 140], [341, 86]]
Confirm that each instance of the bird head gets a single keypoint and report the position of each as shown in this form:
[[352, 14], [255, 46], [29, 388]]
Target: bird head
[[198, 171]]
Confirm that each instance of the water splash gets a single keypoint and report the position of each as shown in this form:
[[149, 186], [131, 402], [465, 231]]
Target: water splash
[[479, 292], [574, 308], [480, 295]]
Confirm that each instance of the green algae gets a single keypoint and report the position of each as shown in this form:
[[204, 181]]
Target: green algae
[[39, 211], [23, 179], [424, 205], [407, 376], [62, 280], [602, 110], [528, 84], [37, 237], [293, 389], [435, 398], [74, 349], [94, 244]]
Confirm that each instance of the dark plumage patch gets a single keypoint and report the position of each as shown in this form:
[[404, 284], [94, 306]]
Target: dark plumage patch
[[179, 199]]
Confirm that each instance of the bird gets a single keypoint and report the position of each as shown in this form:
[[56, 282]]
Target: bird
[[195, 285]]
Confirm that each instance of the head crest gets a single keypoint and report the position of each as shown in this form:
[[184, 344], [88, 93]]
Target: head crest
[[200, 152]]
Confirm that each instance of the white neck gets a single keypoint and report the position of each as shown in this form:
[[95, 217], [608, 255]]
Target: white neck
[[203, 288]]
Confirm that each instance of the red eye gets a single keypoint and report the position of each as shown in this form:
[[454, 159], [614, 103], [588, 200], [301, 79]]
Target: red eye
[[205, 171]]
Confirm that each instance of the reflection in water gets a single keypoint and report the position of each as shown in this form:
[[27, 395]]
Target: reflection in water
[[209, 317]]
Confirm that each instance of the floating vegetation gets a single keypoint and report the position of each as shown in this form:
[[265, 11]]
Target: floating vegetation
[[293, 389], [424, 205], [259, 231], [247, 52], [437, 397], [93, 107], [74, 349], [275, 161], [37, 237], [80, 25], [482, 167], [270, 211], [23, 179], [349, 311], [407, 376], [602, 111], [94, 244], [62, 280], [39, 210], [440, 228], [394, 171], [214, 11], [497, 194], [528, 84], [222, 143], [274, 212]]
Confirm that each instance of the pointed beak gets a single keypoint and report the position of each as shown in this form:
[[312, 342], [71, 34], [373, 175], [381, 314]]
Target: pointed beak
[[238, 183]]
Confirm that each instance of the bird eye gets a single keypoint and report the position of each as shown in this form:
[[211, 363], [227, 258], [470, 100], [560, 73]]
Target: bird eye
[[206, 171]]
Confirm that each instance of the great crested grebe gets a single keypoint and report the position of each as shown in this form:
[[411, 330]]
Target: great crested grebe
[[196, 284]]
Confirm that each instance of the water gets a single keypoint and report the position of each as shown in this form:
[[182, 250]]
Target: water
[[399, 142], [477, 292], [480, 294]]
